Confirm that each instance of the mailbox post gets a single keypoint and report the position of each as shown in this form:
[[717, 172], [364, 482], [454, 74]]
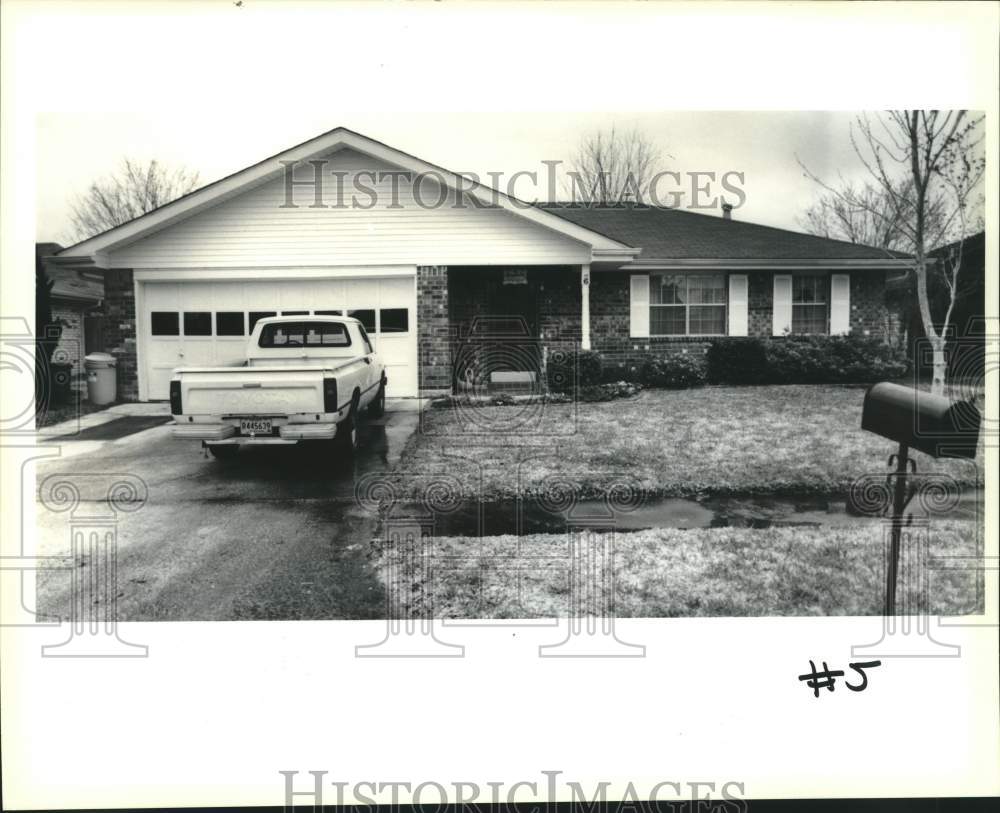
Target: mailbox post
[[915, 420]]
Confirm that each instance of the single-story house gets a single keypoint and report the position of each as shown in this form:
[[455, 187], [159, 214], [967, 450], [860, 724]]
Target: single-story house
[[76, 296], [422, 256]]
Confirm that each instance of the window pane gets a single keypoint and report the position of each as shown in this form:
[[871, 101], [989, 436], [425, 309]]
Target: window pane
[[808, 318], [707, 289], [164, 323], [798, 289], [708, 319], [329, 313], [667, 320], [229, 323], [299, 334], [394, 320], [255, 316], [365, 316], [666, 289], [809, 288], [295, 313], [198, 323], [282, 335]]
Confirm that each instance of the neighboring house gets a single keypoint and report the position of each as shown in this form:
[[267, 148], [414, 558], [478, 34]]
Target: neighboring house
[[77, 297], [185, 283], [966, 342]]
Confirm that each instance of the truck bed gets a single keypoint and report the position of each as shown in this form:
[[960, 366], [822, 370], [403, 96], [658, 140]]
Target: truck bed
[[259, 390]]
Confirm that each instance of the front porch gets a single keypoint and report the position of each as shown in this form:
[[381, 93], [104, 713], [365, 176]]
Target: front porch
[[506, 322]]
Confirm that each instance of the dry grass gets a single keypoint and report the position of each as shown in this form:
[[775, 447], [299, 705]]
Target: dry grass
[[795, 439], [667, 573]]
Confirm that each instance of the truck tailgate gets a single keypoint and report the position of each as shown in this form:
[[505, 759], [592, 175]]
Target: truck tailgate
[[252, 390]]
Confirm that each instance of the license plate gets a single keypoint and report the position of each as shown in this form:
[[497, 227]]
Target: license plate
[[256, 426]]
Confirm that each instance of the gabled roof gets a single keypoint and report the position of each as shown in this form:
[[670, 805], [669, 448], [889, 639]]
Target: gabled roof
[[677, 234], [339, 138]]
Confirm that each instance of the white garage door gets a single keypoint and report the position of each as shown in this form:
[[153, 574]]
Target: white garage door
[[207, 323]]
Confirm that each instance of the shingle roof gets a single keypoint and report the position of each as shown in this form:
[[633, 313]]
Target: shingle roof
[[664, 233]]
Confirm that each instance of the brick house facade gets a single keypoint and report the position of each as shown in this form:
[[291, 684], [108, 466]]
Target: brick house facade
[[555, 315], [425, 280]]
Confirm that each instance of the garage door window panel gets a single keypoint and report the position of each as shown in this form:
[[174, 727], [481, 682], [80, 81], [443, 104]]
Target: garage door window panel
[[394, 320], [366, 316], [197, 323], [230, 323], [165, 323]]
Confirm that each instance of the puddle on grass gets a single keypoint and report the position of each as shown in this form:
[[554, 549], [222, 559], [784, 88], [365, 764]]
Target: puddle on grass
[[474, 519]]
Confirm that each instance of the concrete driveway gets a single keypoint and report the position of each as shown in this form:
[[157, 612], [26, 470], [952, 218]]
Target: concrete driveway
[[274, 534]]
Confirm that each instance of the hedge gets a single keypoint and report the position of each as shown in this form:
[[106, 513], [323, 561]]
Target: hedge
[[673, 372], [569, 370], [803, 360]]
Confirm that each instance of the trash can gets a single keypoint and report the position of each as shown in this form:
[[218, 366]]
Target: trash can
[[102, 384]]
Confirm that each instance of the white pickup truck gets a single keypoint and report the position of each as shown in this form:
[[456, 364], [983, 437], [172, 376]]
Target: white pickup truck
[[304, 378]]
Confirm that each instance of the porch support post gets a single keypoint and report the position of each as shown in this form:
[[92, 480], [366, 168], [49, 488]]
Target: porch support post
[[585, 307]]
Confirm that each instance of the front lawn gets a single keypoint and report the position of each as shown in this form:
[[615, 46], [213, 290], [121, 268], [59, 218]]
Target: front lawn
[[833, 570], [794, 439]]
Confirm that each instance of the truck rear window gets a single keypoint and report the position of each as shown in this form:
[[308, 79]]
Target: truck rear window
[[304, 334]]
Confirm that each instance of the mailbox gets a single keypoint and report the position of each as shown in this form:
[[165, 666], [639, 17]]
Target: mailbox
[[919, 420], [915, 420]]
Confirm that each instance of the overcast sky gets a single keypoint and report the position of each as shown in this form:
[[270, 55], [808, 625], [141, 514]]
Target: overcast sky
[[217, 87], [75, 148]]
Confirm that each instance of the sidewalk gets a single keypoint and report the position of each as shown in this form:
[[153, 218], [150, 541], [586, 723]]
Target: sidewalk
[[75, 425]]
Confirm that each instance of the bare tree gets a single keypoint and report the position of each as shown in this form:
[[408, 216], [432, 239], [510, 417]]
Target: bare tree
[[837, 215], [613, 166], [926, 167], [132, 190]]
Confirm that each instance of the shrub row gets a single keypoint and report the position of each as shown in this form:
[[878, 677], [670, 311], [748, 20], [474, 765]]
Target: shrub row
[[803, 360], [786, 360], [570, 371]]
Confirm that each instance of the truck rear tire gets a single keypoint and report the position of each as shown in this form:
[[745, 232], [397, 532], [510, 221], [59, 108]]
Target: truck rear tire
[[224, 452], [346, 439]]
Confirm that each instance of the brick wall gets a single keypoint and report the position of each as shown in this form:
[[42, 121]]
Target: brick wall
[[556, 294], [119, 330], [869, 315], [609, 327], [433, 331], [609, 316]]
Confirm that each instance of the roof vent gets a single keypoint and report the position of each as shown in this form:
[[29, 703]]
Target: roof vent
[[727, 211]]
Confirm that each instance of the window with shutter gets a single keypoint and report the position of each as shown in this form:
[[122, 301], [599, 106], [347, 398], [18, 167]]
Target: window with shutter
[[810, 303], [687, 304]]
